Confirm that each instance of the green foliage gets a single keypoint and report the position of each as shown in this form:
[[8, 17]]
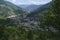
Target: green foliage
[[52, 18], [9, 32]]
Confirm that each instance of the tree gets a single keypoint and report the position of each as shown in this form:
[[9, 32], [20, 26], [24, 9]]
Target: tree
[[56, 6], [30, 35], [52, 18]]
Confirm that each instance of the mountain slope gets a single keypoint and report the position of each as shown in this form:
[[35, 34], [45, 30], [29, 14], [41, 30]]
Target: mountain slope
[[42, 9], [8, 9]]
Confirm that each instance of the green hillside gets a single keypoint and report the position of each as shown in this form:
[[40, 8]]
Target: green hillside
[[9, 9], [41, 10]]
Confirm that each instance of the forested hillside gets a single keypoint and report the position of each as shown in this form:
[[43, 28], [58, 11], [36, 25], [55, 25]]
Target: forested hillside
[[8, 9], [41, 10]]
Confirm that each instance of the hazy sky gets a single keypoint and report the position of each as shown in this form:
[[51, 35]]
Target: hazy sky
[[27, 2]]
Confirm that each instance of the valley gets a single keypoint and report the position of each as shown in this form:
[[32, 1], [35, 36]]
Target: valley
[[35, 20], [29, 19]]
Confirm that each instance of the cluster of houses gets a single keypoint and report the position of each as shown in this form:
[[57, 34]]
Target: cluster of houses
[[25, 21]]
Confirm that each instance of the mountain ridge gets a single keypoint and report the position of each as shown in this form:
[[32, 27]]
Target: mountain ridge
[[30, 7], [9, 9], [42, 9]]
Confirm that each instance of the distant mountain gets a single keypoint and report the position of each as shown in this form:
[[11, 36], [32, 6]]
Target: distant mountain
[[29, 7], [8, 9], [23, 6], [42, 9]]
